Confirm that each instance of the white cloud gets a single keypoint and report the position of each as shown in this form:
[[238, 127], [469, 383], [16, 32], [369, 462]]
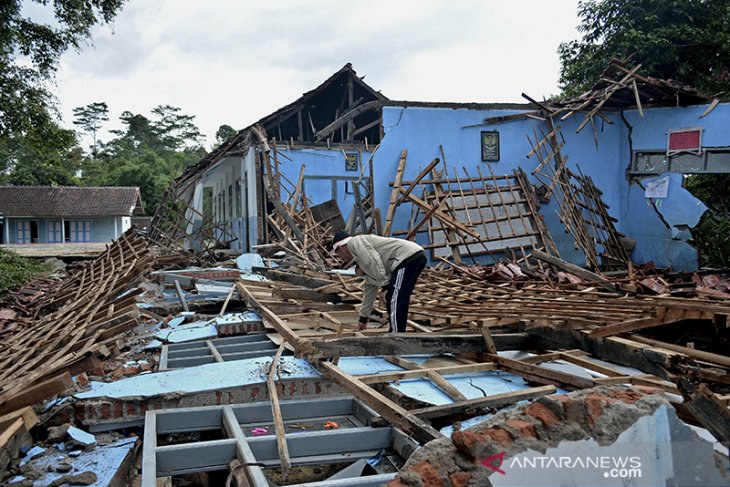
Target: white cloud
[[234, 62]]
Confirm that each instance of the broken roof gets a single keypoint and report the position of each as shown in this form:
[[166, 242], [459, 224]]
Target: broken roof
[[626, 88], [69, 202]]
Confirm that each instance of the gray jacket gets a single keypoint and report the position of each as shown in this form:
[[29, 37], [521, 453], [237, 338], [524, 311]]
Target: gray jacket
[[377, 257]]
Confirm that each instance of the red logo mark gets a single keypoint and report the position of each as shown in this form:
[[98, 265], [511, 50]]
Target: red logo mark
[[488, 462]]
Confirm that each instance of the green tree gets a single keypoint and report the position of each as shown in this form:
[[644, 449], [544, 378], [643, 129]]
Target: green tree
[[713, 232], [224, 133], [41, 158], [90, 118], [150, 153], [29, 53], [684, 40], [175, 129]]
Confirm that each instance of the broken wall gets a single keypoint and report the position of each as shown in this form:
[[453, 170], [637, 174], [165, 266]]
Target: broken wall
[[661, 225], [328, 176], [423, 130]]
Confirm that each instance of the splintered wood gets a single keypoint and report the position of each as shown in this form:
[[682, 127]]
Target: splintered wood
[[471, 215], [450, 300], [323, 330], [83, 314], [582, 211]]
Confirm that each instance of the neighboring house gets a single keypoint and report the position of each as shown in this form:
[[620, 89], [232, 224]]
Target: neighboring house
[[623, 135], [52, 214]]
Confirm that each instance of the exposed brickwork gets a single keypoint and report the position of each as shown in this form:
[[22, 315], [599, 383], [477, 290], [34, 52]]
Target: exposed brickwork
[[98, 411], [542, 413], [523, 428], [459, 479], [544, 423], [429, 474]]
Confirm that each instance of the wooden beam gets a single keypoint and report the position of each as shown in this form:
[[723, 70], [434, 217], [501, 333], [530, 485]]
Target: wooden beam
[[276, 412], [417, 343], [416, 374], [443, 217], [708, 409], [394, 194], [714, 358], [434, 377], [477, 406], [618, 350], [664, 316], [389, 410], [326, 131], [595, 279], [418, 179], [302, 346], [542, 375], [40, 392]]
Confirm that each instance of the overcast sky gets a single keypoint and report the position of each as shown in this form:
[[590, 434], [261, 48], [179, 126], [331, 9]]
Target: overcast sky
[[233, 62]]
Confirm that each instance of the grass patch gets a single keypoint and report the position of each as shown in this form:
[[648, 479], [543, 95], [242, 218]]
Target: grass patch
[[16, 270]]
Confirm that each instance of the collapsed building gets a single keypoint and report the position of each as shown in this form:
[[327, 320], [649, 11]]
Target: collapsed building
[[540, 327]]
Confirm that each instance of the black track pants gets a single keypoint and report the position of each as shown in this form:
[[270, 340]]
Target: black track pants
[[401, 285]]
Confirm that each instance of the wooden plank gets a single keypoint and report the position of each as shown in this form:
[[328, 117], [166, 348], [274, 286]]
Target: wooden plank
[[418, 373], [595, 279], [477, 406], [389, 410], [276, 411], [443, 217], [26, 414], [434, 377], [416, 344], [421, 175], [714, 358], [37, 393], [488, 340], [347, 117], [587, 364], [542, 375], [394, 194], [618, 350], [708, 409], [302, 346], [664, 316], [305, 295]]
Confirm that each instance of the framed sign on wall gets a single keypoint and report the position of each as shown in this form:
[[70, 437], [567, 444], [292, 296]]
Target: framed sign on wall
[[490, 146]]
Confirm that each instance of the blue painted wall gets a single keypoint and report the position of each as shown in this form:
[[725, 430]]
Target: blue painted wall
[[322, 163], [422, 130], [102, 229]]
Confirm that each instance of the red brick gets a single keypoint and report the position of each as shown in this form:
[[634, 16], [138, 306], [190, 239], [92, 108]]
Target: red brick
[[499, 435], [118, 409], [594, 408], [464, 442], [648, 390], [396, 483], [106, 411], [523, 427], [627, 395], [541, 412], [428, 473], [459, 479]]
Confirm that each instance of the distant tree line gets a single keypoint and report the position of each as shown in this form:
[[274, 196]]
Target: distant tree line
[[149, 152], [35, 149]]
